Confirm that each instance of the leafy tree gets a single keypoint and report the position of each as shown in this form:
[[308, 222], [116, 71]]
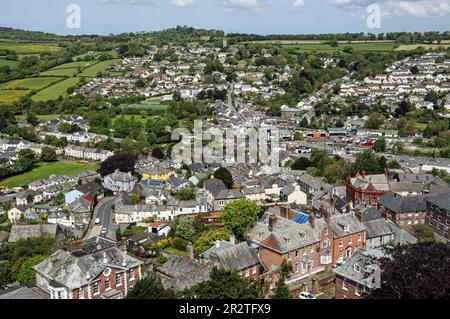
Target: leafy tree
[[151, 287], [32, 119], [186, 228], [301, 164], [423, 233], [281, 289], [207, 240], [27, 273], [158, 153], [225, 284], [123, 162], [186, 193], [225, 176], [48, 154], [380, 145], [239, 216], [374, 121], [368, 162], [68, 128], [26, 160], [418, 271], [394, 165]]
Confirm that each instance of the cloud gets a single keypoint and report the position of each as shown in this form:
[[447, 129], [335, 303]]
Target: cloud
[[298, 4], [241, 4], [129, 2], [183, 3], [415, 8]]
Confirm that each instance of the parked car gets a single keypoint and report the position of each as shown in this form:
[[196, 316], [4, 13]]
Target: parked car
[[97, 220], [103, 230], [306, 295]]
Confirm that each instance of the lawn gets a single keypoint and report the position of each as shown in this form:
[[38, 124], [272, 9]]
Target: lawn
[[173, 250], [29, 48], [71, 65], [54, 91], [9, 96], [30, 83], [11, 64], [149, 106], [139, 118], [44, 171], [60, 72], [46, 117], [99, 67]]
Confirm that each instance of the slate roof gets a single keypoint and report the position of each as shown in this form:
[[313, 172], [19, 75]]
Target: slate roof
[[339, 222], [237, 257], [218, 246], [379, 181], [377, 228], [442, 201], [403, 204], [81, 267], [27, 231]]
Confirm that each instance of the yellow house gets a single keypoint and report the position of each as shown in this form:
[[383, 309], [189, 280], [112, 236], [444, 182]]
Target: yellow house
[[156, 174]]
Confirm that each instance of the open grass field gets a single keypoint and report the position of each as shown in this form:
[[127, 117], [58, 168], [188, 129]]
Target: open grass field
[[77, 64], [30, 48], [60, 72], [8, 97], [46, 117], [11, 64], [99, 67], [410, 47], [30, 83], [44, 171], [140, 118], [148, 106], [56, 90]]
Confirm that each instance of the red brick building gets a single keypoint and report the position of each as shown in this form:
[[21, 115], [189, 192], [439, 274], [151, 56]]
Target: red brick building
[[93, 269], [367, 189], [405, 211], [438, 215]]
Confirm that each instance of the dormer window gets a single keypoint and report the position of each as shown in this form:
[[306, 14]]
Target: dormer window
[[357, 268], [346, 228]]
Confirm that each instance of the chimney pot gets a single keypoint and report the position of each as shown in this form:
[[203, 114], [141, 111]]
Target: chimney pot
[[190, 252], [232, 240], [272, 222]]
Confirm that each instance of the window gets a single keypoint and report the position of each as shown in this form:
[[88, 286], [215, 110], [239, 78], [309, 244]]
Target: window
[[107, 285], [247, 272], [59, 295], [297, 253], [359, 237], [325, 244], [357, 268], [81, 293], [95, 288], [326, 231], [350, 241], [345, 285], [358, 291], [118, 279], [254, 269], [341, 243], [132, 274]]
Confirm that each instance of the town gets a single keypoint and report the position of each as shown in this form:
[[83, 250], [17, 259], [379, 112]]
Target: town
[[93, 204]]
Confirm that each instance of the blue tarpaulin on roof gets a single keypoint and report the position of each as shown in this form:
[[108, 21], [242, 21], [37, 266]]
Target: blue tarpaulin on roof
[[302, 219]]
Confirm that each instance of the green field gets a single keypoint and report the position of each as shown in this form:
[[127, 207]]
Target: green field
[[99, 67], [54, 91], [140, 118], [11, 64], [9, 96], [149, 106], [410, 47], [30, 83], [29, 48], [44, 171], [46, 117], [71, 65], [60, 72]]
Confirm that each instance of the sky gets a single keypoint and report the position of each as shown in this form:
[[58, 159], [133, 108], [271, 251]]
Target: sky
[[243, 16]]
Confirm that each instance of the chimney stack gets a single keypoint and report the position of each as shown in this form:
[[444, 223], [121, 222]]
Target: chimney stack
[[217, 243], [232, 240], [312, 219], [74, 246], [190, 252], [359, 216], [272, 222]]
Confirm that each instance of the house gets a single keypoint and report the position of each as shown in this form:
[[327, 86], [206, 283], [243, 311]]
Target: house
[[292, 194], [159, 228], [19, 232], [72, 196], [81, 212], [92, 269], [92, 189], [309, 184], [119, 181], [179, 273], [241, 258], [176, 183], [349, 234], [359, 275], [367, 188], [218, 246], [218, 195], [15, 214], [21, 291], [438, 215], [305, 245], [404, 211], [28, 197]]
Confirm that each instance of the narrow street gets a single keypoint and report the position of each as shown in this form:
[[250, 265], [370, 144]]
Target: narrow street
[[102, 211]]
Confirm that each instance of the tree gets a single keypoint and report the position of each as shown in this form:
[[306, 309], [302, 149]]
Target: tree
[[301, 164], [423, 233], [26, 160], [186, 193], [186, 228], [158, 153], [151, 287], [368, 162], [239, 216], [225, 176], [281, 289], [123, 162], [418, 271], [207, 240], [32, 119], [380, 145], [26, 272], [48, 154], [374, 121], [394, 165], [225, 284]]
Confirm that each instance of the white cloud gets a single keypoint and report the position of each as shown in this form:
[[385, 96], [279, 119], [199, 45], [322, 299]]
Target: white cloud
[[183, 3], [241, 4], [298, 4], [415, 8]]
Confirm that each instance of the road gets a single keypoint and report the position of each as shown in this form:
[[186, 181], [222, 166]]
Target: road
[[102, 211]]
